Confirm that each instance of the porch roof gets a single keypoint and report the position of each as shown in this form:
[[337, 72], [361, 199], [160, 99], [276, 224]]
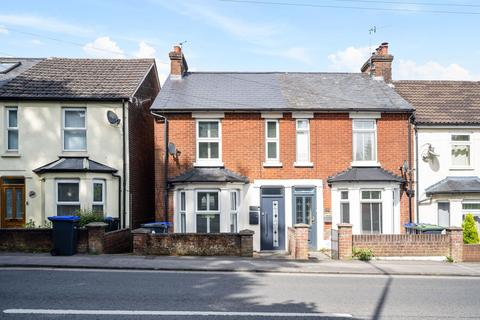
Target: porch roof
[[451, 185], [375, 174], [209, 175], [75, 164]]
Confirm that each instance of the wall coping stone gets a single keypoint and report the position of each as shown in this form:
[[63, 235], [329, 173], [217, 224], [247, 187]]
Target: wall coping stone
[[246, 232], [454, 229], [96, 225], [141, 230], [301, 225]]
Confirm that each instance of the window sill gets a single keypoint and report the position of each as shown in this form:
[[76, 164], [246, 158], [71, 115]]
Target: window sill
[[208, 164], [10, 154], [272, 164], [303, 164], [365, 164], [461, 168]]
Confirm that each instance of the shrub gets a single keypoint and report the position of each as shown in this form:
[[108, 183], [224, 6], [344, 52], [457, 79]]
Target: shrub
[[470, 233], [87, 216], [363, 254], [32, 225]]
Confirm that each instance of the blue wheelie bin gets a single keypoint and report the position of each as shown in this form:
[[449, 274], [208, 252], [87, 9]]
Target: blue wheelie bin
[[157, 227], [65, 235]]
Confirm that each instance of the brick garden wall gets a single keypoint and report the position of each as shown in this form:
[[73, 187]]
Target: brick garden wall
[[118, 241], [471, 252], [397, 245], [243, 150], [35, 240], [192, 244]]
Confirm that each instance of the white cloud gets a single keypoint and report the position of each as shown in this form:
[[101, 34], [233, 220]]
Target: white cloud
[[3, 30], [408, 69], [145, 50], [349, 60], [163, 70], [37, 42], [103, 47], [44, 23]]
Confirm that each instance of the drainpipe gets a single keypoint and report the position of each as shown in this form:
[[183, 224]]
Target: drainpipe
[[124, 185], [417, 202], [119, 177], [410, 169], [165, 161]]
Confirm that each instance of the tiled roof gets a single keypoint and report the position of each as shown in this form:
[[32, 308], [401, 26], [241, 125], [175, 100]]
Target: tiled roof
[[75, 164], [365, 174], [442, 102], [23, 65], [451, 185], [262, 91], [209, 175], [82, 79]]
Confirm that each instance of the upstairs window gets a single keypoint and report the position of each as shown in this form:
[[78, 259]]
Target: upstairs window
[[74, 129], [272, 141], [303, 141], [208, 140], [12, 129], [364, 140], [460, 150]]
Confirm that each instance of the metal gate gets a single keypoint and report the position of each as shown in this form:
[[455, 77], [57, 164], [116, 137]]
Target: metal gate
[[334, 244]]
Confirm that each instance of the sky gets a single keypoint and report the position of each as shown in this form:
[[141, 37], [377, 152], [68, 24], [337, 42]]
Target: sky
[[256, 35]]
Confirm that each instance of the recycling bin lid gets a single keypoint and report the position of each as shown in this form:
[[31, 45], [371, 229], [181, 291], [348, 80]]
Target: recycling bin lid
[[409, 225], [429, 227], [108, 219], [64, 218], [157, 224]]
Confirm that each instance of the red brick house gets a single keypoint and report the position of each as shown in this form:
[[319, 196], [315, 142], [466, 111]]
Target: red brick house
[[267, 150]]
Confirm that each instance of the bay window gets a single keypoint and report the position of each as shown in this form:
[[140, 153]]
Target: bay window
[[364, 140], [74, 129], [209, 145], [371, 210], [234, 211], [344, 207], [460, 150], [67, 197], [208, 212], [183, 212]]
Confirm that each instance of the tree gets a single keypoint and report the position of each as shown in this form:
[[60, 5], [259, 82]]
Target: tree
[[470, 233]]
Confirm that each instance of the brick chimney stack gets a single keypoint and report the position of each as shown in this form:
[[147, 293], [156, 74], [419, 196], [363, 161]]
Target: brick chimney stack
[[380, 63], [178, 64]]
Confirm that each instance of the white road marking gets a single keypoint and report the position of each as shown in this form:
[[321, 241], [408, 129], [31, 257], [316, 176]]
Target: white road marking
[[173, 313]]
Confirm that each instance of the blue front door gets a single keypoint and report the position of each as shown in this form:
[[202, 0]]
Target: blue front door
[[272, 219]]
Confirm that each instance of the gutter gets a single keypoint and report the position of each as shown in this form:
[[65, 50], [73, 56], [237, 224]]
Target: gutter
[[165, 161], [124, 155], [417, 202], [119, 177], [410, 169]]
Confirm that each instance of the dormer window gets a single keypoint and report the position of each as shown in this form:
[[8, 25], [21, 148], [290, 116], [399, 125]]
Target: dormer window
[[7, 66]]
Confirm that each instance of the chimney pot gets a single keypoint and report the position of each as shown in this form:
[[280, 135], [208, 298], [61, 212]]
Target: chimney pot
[[379, 64], [177, 49]]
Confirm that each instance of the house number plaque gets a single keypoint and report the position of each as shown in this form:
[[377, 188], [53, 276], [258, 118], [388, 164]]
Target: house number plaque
[[275, 223]]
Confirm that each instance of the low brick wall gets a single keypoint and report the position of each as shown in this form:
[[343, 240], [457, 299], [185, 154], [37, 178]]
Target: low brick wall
[[35, 240], [193, 244], [298, 241], [118, 241], [397, 245], [471, 252]]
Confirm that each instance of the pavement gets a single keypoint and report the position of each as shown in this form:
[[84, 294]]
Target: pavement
[[259, 263]]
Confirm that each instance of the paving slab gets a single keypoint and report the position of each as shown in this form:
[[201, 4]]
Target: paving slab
[[237, 264]]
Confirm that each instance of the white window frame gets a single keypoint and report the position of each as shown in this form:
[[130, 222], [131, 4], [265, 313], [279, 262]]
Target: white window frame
[[374, 161], [66, 203], [99, 203], [343, 201], [461, 143], [64, 109], [234, 210], [198, 139], [182, 211], [9, 128], [473, 211], [371, 201], [208, 211], [305, 162], [272, 161]]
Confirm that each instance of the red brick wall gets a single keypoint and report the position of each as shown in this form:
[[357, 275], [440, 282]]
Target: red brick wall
[[471, 252], [118, 241], [397, 245], [141, 154], [243, 148]]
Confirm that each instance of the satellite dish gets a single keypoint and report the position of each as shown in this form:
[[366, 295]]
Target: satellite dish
[[429, 153], [113, 118], [172, 149]]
